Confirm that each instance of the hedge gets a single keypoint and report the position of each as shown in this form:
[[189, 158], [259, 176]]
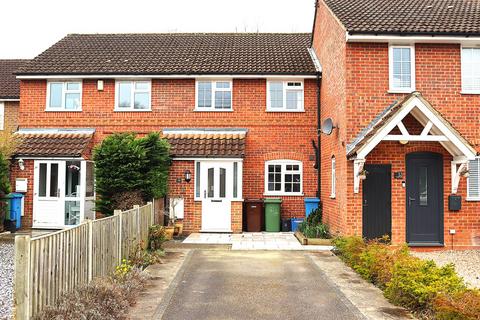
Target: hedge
[[421, 286]]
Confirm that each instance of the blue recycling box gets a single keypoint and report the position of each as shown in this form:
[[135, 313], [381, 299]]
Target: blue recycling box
[[295, 223], [310, 205], [16, 208]]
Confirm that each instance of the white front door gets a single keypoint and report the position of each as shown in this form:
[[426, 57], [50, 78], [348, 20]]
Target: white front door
[[216, 193], [48, 196], [59, 195]]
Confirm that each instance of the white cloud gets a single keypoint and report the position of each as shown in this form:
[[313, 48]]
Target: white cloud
[[30, 26]]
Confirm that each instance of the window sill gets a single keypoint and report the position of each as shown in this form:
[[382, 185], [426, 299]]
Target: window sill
[[470, 92], [394, 91], [288, 194], [132, 110], [212, 110], [283, 110], [472, 199], [62, 110]]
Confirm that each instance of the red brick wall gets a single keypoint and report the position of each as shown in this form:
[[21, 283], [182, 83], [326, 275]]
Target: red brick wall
[[271, 135], [355, 89], [330, 47]]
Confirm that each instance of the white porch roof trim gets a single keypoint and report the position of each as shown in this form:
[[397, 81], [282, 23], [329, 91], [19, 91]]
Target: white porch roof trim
[[436, 129]]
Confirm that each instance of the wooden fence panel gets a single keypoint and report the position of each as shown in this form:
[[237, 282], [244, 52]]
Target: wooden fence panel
[[49, 265]]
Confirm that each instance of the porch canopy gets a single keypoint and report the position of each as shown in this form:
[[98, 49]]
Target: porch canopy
[[435, 129], [53, 143], [194, 143]]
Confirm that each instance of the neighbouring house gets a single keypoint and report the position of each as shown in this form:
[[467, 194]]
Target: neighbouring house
[[401, 82], [239, 111], [9, 93]]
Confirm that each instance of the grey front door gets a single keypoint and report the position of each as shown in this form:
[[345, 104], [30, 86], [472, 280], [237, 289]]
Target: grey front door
[[424, 199]]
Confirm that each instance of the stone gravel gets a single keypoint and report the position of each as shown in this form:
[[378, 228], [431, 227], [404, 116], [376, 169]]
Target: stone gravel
[[466, 263], [6, 279]]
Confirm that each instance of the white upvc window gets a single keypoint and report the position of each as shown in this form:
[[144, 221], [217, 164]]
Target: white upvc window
[[213, 95], [64, 96], [283, 177], [133, 95], [285, 96], [471, 70], [473, 180], [402, 68], [334, 179]]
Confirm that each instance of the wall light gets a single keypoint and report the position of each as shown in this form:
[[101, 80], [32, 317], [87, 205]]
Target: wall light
[[21, 164], [188, 175]]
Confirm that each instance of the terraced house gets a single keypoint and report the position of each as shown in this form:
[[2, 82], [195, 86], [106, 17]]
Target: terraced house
[[396, 84], [238, 109], [401, 81]]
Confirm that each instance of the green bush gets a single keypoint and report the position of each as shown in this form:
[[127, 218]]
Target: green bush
[[408, 281], [315, 217], [313, 227], [125, 163], [156, 237]]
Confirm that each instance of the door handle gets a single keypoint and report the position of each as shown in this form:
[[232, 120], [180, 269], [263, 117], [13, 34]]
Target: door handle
[[365, 203], [410, 199], [204, 193]]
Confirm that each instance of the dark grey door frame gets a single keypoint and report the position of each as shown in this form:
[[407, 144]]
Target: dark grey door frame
[[424, 199]]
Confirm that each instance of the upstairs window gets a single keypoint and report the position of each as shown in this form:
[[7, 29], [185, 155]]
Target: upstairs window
[[213, 96], [402, 68], [471, 70], [473, 180], [64, 96], [283, 177], [133, 96], [284, 96]]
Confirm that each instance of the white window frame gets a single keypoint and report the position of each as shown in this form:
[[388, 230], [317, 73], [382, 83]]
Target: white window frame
[[285, 82], [214, 89], [333, 179], [132, 95], [64, 93], [392, 89], [464, 67], [469, 197], [283, 163]]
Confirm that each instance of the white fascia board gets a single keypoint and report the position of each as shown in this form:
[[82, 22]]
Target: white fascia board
[[204, 131], [316, 62], [208, 159], [9, 100], [413, 39], [55, 130], [173, 76]]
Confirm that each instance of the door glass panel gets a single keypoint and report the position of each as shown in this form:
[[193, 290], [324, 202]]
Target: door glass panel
[[197, 180], [210, 183], [54, 180], [223, 179], [423, 186], [42, 184], [72, 179], [72, 212], [235, 179]]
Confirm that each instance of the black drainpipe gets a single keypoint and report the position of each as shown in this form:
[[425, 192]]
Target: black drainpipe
[[319, 141]]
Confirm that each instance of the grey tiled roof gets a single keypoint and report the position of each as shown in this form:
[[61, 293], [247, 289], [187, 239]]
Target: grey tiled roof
[[176, 53], [53, 144], [427, 17], [9, 85]]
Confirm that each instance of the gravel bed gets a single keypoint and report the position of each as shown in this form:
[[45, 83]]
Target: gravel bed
[[6, 279], [466, 263]]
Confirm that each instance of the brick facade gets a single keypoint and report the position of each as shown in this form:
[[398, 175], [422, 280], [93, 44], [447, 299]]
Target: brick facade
[[355, 88], [11, 115], [271, 135]]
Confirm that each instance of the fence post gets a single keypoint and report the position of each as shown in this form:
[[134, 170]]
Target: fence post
[[152, 213], [22, 277], [118, 213], [137, 213], [90, 250]]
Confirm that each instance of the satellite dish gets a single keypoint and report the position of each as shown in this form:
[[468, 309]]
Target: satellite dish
[[327, 126]]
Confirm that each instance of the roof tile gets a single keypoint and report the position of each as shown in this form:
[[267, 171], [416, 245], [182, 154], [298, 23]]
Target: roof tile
[[9, 85]]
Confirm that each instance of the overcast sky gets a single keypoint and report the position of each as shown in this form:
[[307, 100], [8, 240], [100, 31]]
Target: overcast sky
[[28, 27]]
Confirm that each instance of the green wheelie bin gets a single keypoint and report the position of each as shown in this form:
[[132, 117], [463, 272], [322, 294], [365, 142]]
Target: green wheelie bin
[[272, 214]]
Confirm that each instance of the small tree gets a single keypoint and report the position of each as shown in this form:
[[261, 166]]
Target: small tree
[[124, 163]]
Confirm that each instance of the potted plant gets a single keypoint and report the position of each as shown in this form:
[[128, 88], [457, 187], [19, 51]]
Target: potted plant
[[363, 174]]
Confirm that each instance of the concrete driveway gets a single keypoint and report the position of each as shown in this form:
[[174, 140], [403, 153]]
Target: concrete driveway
[[253, 285]]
